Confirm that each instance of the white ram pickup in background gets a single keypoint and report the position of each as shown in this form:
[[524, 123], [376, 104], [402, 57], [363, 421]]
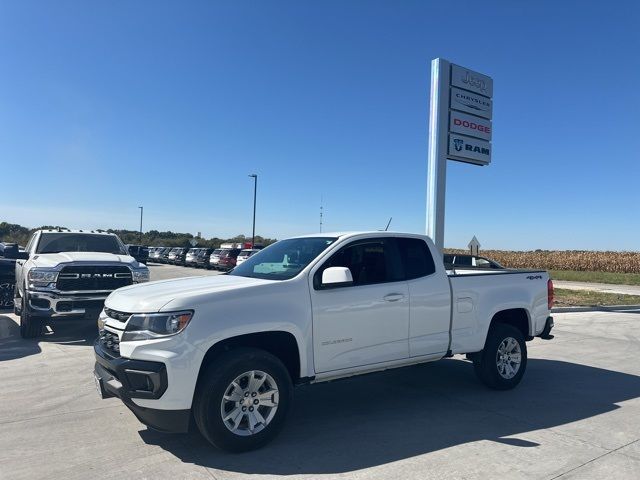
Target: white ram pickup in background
[[67, 273], [226, 350]]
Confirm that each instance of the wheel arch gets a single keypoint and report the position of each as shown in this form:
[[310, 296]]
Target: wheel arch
[[279, 343], [517, 317]]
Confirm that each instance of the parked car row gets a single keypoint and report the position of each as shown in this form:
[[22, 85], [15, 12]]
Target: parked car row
[[225, 258]]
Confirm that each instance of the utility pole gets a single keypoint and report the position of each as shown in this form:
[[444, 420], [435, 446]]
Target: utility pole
[[321, 213], [255, 190], [141, 210]]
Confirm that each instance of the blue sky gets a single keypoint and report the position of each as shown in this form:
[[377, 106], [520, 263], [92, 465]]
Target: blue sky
[[105, 106]]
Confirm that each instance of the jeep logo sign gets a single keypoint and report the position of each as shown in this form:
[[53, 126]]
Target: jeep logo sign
[[473, 81], [470, 125], [470, 150]]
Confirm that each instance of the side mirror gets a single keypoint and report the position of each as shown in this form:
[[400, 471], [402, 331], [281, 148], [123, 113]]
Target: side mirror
[[336, 277]]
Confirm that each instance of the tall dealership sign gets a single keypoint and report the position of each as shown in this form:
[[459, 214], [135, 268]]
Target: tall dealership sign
[[460, 129]]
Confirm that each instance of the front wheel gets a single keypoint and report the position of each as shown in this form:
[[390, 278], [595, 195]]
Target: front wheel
[[30, 326], [503, 361], [242, 399]]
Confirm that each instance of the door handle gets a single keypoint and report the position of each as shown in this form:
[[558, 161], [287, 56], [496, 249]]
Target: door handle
[[393, 297]]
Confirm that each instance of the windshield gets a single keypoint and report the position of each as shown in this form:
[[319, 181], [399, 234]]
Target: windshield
[[284, 259], [79, 242]]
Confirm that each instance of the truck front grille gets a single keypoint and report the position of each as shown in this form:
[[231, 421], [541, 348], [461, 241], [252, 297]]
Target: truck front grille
[[110, 342], [93, 277]]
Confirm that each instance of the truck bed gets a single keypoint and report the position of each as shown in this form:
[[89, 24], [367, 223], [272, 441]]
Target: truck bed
[[478, 294]]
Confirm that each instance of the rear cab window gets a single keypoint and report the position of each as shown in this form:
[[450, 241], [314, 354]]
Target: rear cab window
[[416, 258]]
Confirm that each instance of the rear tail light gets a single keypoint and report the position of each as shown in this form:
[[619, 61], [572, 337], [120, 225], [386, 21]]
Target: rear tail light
[[550, 294]]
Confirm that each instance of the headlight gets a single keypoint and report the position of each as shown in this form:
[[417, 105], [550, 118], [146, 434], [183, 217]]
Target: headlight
[[41, 277], [102, 318], [141, 275], [147, 326]]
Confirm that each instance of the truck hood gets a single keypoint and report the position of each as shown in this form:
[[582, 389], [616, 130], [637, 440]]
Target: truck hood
[[54, 259], [151, 297]]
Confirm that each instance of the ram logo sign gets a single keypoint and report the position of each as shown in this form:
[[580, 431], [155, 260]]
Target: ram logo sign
[[470, 150]]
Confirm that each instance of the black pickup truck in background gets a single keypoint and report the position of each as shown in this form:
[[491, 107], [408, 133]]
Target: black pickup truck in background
[[139, 252], [9, 252]]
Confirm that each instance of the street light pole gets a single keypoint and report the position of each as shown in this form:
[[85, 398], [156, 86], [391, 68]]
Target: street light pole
[[255, 189], [141, 210]]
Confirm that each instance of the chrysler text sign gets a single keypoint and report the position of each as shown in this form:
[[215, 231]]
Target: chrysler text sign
[[470, 150], [470, 125], [471, 103]]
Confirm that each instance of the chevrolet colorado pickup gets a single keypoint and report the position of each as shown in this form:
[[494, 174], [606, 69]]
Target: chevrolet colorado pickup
[[70, 273], [226, 350]]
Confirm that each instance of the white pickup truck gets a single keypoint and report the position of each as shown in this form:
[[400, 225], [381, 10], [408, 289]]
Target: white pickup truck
[[67, 273], [226, 350]]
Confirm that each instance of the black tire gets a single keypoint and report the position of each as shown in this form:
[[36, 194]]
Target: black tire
[[214, 382], [486, 363], [17, 308], [30, 326]]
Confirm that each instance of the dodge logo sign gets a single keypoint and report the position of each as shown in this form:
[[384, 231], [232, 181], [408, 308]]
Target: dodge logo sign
[[470, 125], [470, 150]]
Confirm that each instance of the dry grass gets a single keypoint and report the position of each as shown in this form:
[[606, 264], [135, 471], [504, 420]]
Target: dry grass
[[585, 298], [574, 260]]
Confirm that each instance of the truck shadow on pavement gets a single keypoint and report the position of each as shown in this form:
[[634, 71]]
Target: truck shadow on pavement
[[368, 421], [79, 332]]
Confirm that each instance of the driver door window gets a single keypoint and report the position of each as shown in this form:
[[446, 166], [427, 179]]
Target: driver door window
[[370, 262]]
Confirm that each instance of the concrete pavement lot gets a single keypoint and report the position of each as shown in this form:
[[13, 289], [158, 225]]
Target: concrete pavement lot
[[576, 414], [164, 271]]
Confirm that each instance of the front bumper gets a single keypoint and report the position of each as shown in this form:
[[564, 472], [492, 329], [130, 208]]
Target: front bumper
[[53, 304], [127, 379]]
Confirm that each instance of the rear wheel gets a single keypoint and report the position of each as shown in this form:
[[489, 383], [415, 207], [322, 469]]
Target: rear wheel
[[503, 361], [242, 400], [30, 326]]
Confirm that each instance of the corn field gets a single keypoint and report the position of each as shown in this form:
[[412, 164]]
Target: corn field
[[614, 262]]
